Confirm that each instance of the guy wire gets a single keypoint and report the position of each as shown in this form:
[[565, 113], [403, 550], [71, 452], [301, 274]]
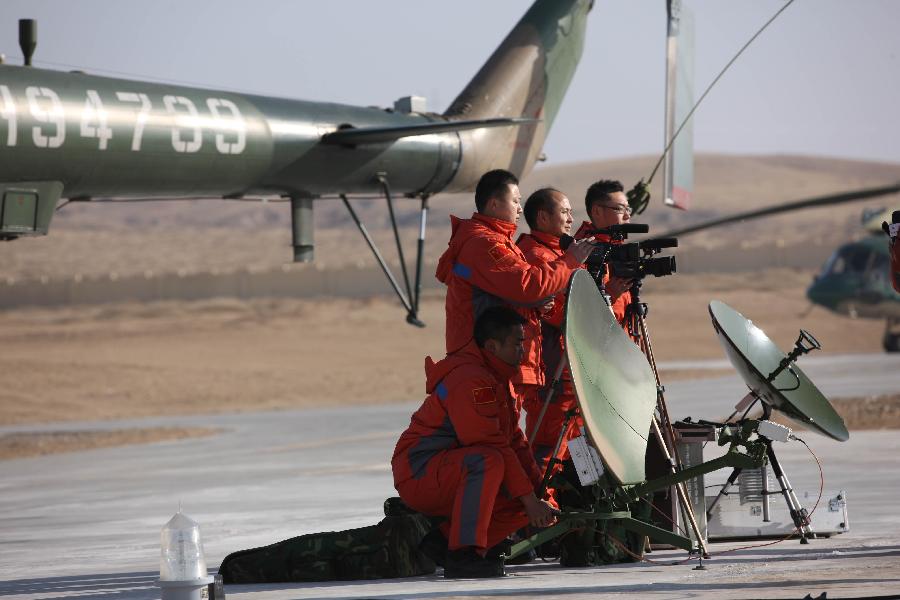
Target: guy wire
[[711, 85], [821, 475]]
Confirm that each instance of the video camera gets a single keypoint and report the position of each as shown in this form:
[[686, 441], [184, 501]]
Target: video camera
[[628, 260], [634, 261]]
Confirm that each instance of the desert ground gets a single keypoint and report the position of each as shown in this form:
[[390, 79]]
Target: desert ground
[[221, 355], [130, 360]]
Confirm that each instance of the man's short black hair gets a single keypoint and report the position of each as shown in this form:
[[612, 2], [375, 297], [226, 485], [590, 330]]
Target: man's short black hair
[[491, 185], [496, 323], [541, 200], [600, 191]]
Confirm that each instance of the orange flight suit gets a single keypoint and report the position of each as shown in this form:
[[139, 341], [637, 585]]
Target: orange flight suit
[[482, 267], [541, 248], [463, 455]]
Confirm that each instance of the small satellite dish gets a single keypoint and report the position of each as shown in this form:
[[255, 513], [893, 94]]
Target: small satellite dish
[[756, 358], [615, 388]]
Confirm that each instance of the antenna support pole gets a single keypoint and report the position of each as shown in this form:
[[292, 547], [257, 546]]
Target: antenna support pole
[[27, 38]]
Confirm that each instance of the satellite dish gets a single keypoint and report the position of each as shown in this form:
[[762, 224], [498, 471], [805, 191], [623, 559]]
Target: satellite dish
[[756, 357], [614, 386]]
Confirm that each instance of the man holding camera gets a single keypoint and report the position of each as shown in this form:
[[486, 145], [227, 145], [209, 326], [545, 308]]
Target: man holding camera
[[482, 267], [549, 215], [464, 456], [893, 232], [607, 205]]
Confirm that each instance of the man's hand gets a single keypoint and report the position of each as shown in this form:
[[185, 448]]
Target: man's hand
[[616, 286], [892, 229], [577, 252], [546, 306], [540, 512]]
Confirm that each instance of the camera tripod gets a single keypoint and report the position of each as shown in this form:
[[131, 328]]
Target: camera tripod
[[636, 326]]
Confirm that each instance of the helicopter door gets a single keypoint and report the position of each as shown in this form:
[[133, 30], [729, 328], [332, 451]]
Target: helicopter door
[[875, 280]]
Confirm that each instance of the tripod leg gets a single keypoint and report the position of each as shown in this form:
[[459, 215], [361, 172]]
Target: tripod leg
[[557, 377], [545, 480], [799, 514], [723, 492]]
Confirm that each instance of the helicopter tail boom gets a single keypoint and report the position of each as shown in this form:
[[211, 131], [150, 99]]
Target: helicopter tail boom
[[526, 76]]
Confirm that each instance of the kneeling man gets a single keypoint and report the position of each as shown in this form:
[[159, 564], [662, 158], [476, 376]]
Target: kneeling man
[[464, 456]]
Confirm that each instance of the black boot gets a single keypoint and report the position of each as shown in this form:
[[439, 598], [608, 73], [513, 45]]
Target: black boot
[[465, 563], [504, 548], [434, 546]]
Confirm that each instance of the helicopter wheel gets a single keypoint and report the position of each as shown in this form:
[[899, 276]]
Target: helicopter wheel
[[891, 340]]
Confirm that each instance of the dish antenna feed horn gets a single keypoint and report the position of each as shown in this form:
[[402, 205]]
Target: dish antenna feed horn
[[805, 344]]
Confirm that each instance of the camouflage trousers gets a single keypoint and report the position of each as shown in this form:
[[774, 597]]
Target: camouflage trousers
[[388, 549]]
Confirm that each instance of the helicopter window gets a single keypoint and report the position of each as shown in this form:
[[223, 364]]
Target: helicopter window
[[848, 260], [834, 266]]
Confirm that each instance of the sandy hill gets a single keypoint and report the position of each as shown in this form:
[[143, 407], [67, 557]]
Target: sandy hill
[[203, 235]]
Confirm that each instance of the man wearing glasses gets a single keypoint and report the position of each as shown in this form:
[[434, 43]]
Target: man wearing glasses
[[606, 205]]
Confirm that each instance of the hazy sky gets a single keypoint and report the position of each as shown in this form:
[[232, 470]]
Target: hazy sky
[[823, 79]]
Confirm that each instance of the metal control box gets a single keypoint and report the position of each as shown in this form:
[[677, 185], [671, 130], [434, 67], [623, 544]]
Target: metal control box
[[690, 439], [734, 517], [740, 513]]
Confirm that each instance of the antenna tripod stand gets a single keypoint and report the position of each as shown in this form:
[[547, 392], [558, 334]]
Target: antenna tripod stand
[[800, 516]]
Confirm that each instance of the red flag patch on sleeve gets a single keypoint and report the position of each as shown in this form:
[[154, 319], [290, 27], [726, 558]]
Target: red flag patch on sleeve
[[484, 395], [498, 253]]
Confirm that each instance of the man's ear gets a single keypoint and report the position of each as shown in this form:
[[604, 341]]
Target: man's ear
[[491, 345]]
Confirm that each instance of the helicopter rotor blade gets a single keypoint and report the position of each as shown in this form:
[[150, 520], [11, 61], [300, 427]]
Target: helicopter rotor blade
[[852, 196]]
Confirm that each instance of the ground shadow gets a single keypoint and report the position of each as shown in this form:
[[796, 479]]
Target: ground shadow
[[98, 586]]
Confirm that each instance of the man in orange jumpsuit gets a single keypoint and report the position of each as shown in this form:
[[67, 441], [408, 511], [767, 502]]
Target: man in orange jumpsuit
[[893, 231], [482, 267], [464, 456], [607, 205], [549, 215]]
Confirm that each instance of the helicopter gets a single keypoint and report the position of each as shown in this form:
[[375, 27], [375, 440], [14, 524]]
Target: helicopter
[[855, 280], [77, 137]]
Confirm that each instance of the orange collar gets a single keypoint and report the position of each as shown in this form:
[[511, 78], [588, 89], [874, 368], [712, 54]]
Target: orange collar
[[496, 365], [547, 239], [499, 225]]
